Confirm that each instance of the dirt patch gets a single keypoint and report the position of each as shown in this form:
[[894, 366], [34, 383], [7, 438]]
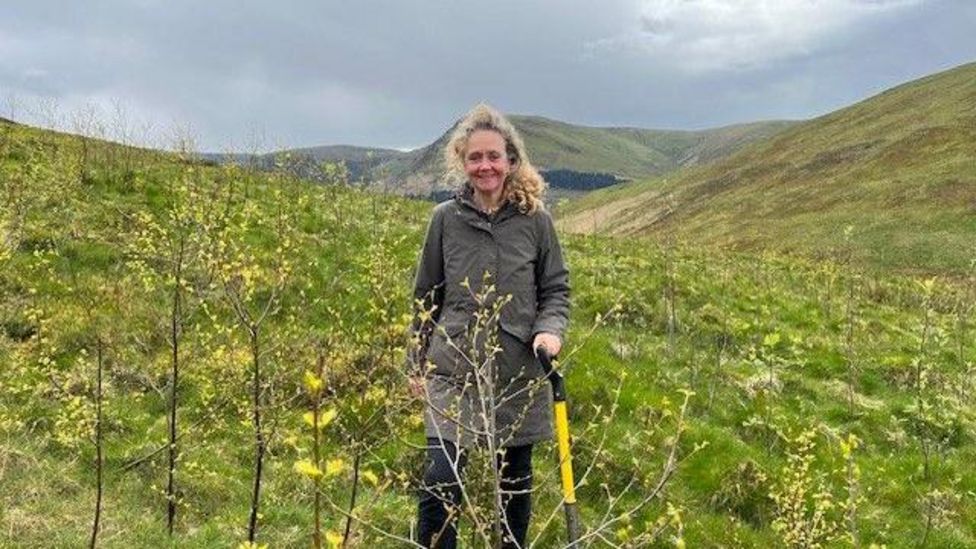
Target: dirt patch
[[837, 158], [616, 217], [954, 192], [914, 147]]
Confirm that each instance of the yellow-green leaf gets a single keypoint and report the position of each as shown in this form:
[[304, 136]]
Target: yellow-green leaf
[[312, 382], [334, 539], [370, 477], [325, 418], [307, 468], [334, 467]]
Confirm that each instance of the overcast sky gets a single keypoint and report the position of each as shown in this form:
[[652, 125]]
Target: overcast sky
[[397, 73]]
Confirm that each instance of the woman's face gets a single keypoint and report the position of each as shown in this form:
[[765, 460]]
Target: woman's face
[[485, 161]]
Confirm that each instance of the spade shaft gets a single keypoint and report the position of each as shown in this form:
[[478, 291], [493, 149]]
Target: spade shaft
[[565, 450]]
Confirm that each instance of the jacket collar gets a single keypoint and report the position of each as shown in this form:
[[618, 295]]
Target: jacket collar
[[465, 198]]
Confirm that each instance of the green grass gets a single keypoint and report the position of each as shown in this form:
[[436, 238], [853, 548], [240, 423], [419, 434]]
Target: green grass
[[742, 318]]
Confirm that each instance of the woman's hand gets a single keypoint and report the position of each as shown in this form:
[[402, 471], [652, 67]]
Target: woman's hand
[[550, 342]]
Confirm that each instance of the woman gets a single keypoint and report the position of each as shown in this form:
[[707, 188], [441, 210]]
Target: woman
[[491, 288]]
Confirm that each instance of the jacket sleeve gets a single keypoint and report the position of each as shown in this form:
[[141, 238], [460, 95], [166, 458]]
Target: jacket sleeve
[[428, 291], [552, 283]]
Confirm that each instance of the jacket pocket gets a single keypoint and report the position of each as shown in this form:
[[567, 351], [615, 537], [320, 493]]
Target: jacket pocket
[[447, 345], [518, 315]]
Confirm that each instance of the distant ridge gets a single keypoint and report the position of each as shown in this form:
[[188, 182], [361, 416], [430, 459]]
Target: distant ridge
[[582, 156], [898, 169]]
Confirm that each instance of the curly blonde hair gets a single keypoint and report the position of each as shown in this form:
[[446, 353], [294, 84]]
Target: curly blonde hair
[[524, 186]]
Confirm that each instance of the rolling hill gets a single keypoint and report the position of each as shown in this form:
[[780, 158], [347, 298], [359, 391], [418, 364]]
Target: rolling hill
[[621, 153], [890, 180]]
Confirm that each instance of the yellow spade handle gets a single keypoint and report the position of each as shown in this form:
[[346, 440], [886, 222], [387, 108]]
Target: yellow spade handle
[[565, 459]]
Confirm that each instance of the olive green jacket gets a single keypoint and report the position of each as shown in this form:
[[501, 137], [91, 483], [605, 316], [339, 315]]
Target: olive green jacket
[[520, 254]]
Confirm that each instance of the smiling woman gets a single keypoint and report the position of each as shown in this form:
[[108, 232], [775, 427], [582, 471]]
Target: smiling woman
[[477, 131], [494, 241], [487, 167]]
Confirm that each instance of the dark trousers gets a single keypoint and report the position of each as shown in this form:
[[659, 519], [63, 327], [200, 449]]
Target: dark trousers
[[440, 494]]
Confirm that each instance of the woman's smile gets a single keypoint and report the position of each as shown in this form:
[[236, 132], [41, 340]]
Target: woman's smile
[[486, 163]]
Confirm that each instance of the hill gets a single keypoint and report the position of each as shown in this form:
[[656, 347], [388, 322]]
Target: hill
[[599, 155], [898, 169], [716, 399]]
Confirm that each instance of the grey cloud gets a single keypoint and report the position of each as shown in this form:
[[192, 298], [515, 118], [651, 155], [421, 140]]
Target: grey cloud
[[392, 73], [656, 25]]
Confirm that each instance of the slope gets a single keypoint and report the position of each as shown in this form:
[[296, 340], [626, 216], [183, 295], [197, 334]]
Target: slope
[[90, 237], [890, 180]]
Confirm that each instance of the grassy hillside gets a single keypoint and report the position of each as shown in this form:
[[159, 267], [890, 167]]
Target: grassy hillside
[[360, 163], [828, 406], [899, 169], [625, 153]]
